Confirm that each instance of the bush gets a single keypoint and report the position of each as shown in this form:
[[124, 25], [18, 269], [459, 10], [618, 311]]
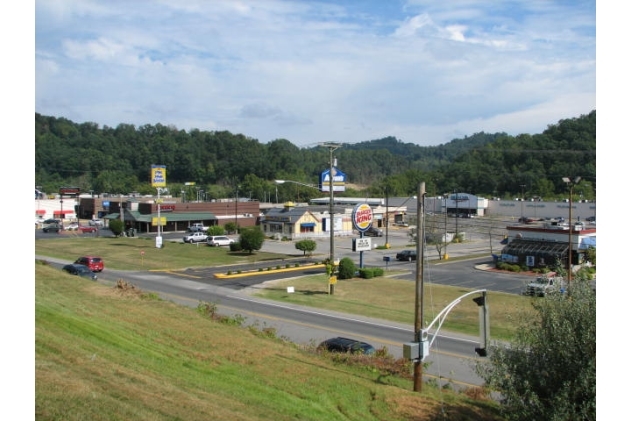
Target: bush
[[369, 273], [236, 246], [509, 267], [347, 268]]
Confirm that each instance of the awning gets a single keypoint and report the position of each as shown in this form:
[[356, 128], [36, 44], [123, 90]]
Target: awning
[[40, 212], [308, 224]]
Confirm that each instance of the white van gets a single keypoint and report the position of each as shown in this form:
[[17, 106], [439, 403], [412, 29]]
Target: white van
[[219, 240]]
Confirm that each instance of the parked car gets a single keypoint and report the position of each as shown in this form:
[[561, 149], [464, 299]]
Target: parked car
[[591, 219], [96, 223], [87, 228], [52, 228], [373, 232], [95, 264], [73, 226], [80, 270], [195, 237], [406, 255], [219, 240], [353, 346]]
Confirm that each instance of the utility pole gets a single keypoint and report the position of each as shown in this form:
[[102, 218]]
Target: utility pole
[[332, 147], [571, 184], [418, 305]]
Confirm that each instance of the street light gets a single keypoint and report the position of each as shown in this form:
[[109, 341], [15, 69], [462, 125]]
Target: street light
[[571, 183]]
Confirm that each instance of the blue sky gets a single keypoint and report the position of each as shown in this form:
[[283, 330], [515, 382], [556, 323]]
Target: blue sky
[[425, 72]]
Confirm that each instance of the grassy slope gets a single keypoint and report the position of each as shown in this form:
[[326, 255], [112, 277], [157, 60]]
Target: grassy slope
[[104, 353]]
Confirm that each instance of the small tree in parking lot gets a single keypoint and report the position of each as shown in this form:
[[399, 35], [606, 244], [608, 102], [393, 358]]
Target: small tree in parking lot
[[306, 246], [216, 230], [251, 239], [231, 227], [116, 226]]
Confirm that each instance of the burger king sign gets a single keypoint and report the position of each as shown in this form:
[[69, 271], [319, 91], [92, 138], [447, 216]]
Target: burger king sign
[[362, 217]]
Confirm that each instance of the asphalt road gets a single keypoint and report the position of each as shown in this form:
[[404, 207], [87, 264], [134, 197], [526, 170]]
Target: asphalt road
[[451, 357]]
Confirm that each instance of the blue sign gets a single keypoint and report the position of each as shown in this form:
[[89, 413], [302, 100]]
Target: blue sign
[[339, 180]]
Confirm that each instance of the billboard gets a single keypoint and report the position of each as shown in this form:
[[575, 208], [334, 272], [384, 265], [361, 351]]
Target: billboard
[[158, 176]]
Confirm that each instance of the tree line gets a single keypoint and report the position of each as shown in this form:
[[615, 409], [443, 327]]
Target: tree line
[[222, 164]]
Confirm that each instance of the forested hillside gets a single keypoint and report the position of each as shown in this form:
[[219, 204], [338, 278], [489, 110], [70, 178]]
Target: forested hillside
[[118, 160]]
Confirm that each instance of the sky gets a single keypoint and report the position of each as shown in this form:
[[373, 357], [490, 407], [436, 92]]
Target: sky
[[423, 71]]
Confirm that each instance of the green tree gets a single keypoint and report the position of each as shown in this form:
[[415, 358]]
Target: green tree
[[590, 255], [347, 268], [306, 246], [231, 227], [116, 226], [216, 230], [251, 239], [549, 371]]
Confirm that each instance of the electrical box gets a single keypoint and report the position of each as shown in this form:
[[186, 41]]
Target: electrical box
[[411, 351]]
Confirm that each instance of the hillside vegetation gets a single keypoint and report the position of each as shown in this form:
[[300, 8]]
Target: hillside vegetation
[[106, 353], [118, 160]]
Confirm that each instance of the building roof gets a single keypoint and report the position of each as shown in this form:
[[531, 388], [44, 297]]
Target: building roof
[[170, 216], [526, 246]]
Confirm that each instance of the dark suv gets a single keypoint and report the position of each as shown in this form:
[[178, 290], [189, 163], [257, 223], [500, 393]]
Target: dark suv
[[373, 232], [408, 255], [353, 346]]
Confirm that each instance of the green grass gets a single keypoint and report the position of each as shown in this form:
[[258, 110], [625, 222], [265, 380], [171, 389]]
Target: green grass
[[394, 299], [108, 353], [137, 253], [384, 298]]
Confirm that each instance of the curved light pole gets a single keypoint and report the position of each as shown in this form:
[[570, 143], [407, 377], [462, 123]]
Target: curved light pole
[[571, 183]]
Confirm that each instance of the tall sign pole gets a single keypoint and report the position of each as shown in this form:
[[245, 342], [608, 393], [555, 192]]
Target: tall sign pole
[[159, 181]]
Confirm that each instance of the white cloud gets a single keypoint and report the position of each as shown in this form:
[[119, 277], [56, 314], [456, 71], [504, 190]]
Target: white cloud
[[311, 71]]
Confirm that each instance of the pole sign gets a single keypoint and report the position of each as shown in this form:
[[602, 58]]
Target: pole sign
[[339, 180], [362, 217], [361, 244], [158, 176]]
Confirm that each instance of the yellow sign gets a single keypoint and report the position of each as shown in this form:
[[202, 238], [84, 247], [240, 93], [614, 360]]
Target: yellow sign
[[158, 176], [333, 280], [163, 221]]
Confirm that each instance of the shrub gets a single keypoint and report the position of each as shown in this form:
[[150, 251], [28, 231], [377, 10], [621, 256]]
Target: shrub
[[347, 268], [369, 273], [236, 246]]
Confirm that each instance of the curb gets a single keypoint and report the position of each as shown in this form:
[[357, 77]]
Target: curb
[[265, 272]]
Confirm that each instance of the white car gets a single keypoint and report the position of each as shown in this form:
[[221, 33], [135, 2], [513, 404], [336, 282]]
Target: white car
[[195, 237], [219, 240], [96, 223], [73, 226]]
